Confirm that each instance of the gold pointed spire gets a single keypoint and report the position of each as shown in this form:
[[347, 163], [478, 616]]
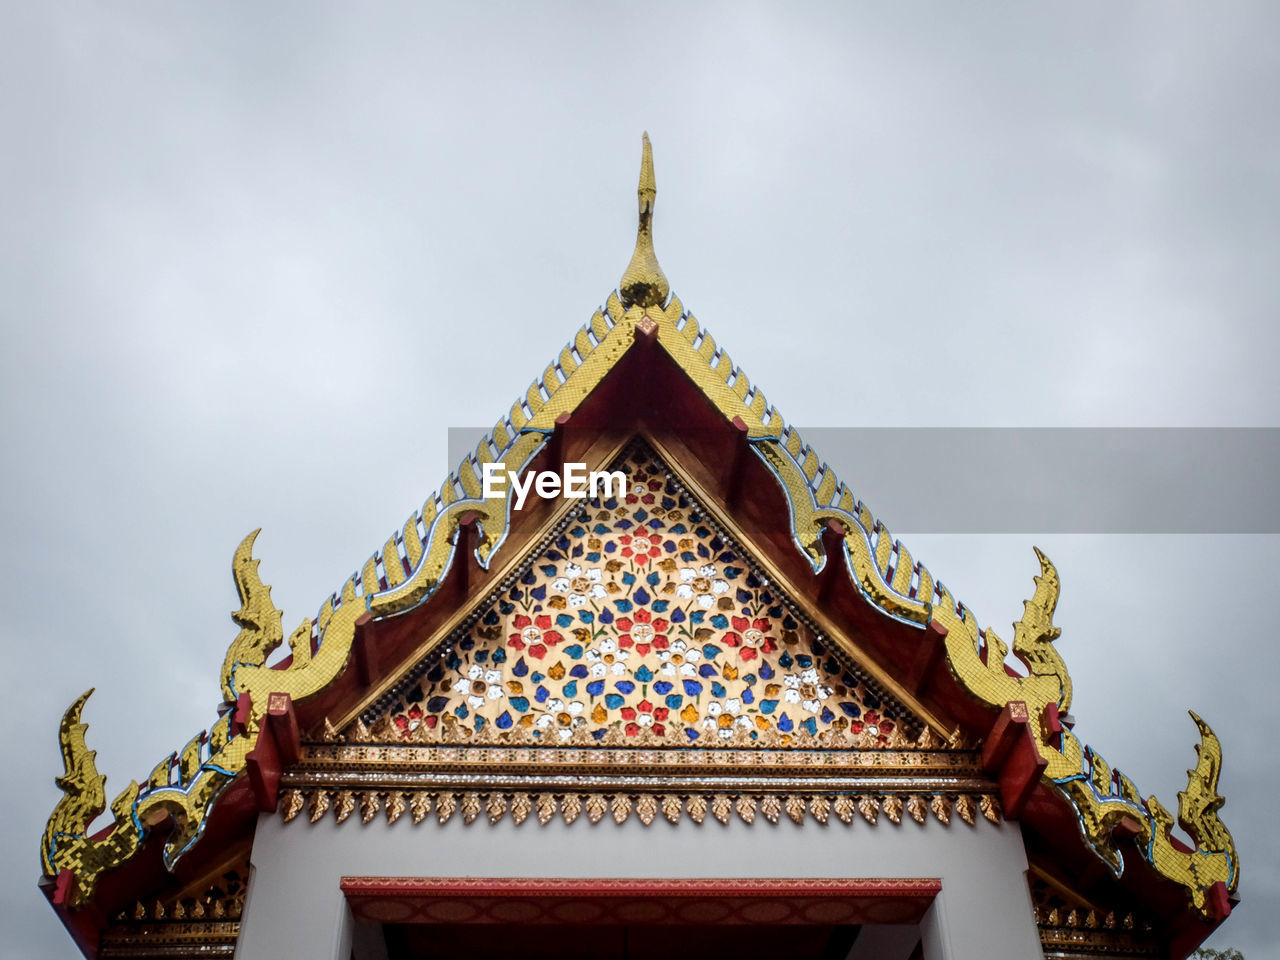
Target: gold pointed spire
[[644, 284]]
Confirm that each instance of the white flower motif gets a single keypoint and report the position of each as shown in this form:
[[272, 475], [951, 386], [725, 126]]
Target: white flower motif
[[598, 670], [608, 646], [555, 705], [575, 707], [744, 722], [664, 655], [687, 574], [595, 574], [622, 655], [719, 586], [493, 676], [560, 584], [714, 708], [475, 671], [688, 670], [678, 646], [684, 591], [545, 720], [813, 706], [462, 686], [705, 600], [726, 733], [668, 670], [733, 705], [618, 667], [693, 655], [707, 570], [810, 676], [476, 702], [645, 720], [791, 696], [593, 655], [572, 570], [791, 681], [494, 692], [565, 733], [577, 600], [709, 723]]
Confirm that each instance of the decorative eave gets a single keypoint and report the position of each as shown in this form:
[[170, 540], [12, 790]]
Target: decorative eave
[[824, 542]]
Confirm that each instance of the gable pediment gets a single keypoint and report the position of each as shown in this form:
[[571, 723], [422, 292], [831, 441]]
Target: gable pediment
[[639, 621]]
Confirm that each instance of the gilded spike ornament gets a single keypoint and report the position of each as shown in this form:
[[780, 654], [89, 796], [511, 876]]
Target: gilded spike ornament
[[643, 283]]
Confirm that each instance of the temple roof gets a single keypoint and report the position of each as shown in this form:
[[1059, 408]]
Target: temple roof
[[644, 380]]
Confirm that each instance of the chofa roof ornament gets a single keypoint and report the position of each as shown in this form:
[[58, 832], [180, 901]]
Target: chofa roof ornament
[[643, 283]]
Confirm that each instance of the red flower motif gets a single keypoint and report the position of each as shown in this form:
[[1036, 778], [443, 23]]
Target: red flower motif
[[644, 706], [740, 623], [537, 651], [659, 729], [747, 653], [731, 639], [855, 726], [415, 712], [632, 729], [628, 713], [532, 631], [659, 714]]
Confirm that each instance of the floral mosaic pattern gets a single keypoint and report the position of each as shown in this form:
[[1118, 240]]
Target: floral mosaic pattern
[[641, 621]]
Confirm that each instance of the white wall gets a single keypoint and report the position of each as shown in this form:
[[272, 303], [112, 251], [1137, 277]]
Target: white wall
[[295, 906]]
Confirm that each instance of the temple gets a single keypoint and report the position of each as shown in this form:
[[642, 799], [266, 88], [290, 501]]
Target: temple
[[716, 709]]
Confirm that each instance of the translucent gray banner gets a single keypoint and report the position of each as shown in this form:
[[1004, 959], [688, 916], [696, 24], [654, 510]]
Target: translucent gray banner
[[1049, 480]]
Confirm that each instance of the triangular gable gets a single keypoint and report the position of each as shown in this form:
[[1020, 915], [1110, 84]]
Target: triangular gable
[[640, 622]]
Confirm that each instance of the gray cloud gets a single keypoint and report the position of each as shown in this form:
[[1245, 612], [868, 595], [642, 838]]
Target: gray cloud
[[256, 260]]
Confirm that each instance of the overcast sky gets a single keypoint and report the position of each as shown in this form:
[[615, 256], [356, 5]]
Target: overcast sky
[[255, 259]]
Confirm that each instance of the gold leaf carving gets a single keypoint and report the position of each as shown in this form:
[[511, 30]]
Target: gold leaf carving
[[941, 807], [917, 808], [570, 807], [671, 808], [395, 806], [470, 807], [621, 808], [869, 808], [343, 805], [596, 807], [496, 807], [697, 807], [771, 807], [893, 809], [546, 809], [795, 808], [369, 806], [845, 808], [967, 809], [291, 804], [746, 807], [318, 805], [721, 808], [521, 807], [820, 807], [647, 808], [446, 803], [419, 806], [990, 807]]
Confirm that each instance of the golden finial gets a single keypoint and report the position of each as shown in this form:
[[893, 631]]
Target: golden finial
[[644, 284]]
